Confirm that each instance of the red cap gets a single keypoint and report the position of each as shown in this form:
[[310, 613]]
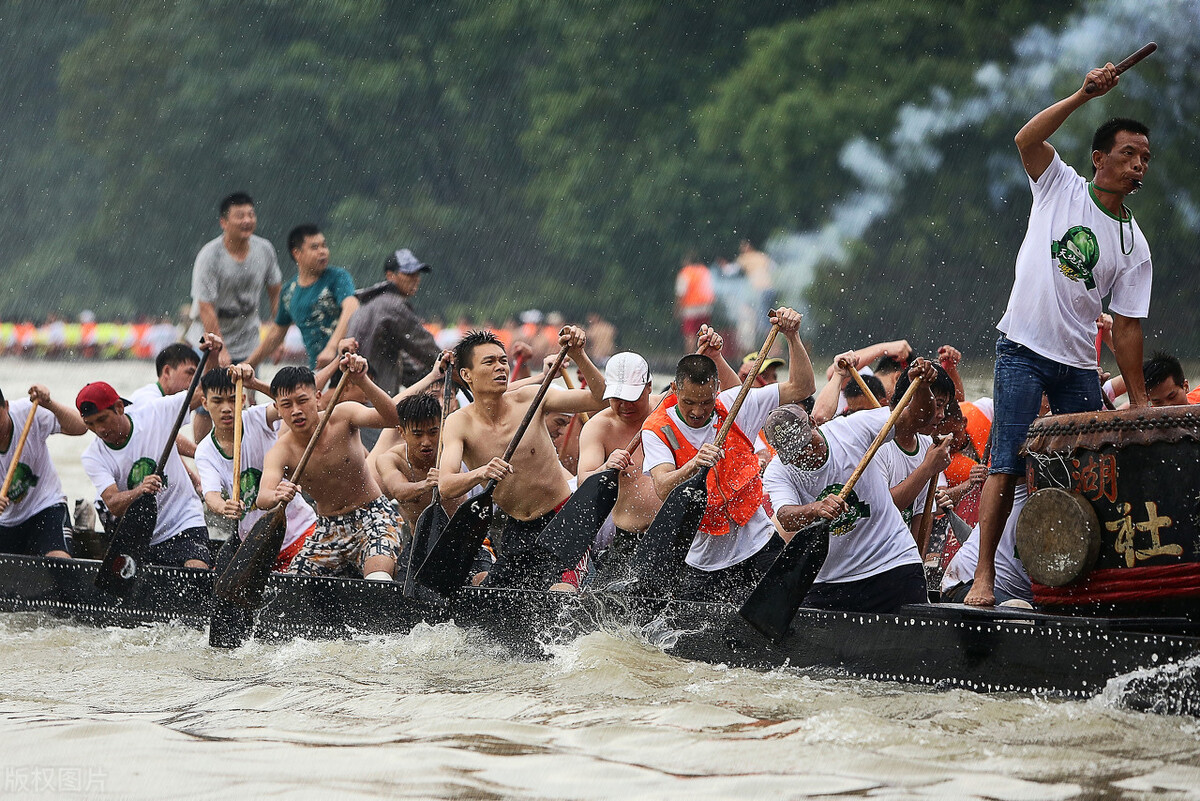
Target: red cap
[[95, 397]]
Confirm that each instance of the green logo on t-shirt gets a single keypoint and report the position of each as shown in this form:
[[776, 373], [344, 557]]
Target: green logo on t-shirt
[[142, 468], [23, 481], [858, 510], [248, 487], [1077, 253]]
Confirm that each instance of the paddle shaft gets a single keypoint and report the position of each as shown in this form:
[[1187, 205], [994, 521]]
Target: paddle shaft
[[750, 378], [927, 515], [880, 438], [1141, 53], [866, 391], [183, 410], [447, 395], [239, 398], [12, 468]]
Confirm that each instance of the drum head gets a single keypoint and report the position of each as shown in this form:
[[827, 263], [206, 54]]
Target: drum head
[[1058, 537]]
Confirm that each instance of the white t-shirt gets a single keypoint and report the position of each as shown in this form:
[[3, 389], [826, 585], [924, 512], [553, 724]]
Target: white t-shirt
[[1010, 573], [710, 552], [216, 474], [35, 484], [1071, 259], [126, 466], [899, 464], [872, 538], [152, 392], [986, 406]]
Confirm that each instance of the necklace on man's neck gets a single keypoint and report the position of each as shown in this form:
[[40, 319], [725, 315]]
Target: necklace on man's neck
[[1123, 216]]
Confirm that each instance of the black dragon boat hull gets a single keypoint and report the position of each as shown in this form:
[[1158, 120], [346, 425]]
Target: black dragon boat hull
[[936, 645]]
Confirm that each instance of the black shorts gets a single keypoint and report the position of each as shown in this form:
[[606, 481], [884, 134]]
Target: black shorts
[[522, 563], [614, 563], [191, 543], [39, 535], [885, 592], [733, 583]]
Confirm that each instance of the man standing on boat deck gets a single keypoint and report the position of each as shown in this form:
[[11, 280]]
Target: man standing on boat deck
[[1082, 244], [873, 563], [319, 300], [122, 460], [359, 532], [389, 333], [229, 277], [736, 541], [33, 513], [532, 487]]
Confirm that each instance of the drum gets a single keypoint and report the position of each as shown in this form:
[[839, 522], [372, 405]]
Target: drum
[[1139, 470]]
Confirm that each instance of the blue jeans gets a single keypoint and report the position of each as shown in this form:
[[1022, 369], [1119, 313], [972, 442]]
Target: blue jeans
[[1021, 377]]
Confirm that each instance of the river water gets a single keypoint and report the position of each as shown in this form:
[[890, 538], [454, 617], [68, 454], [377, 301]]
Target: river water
[[443, 713]]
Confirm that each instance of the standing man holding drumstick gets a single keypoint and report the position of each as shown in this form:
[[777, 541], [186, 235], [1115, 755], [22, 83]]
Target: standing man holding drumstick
[[1082, 245]]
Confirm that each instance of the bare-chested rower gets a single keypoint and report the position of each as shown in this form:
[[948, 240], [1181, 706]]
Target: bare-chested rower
[[605, 439], [358, 530], [408, 470], [530, 488]]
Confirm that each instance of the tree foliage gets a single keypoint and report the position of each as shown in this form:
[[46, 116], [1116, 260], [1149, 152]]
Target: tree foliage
[[543, 154]]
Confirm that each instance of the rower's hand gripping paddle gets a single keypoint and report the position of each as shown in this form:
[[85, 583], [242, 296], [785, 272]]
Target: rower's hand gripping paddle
[[773, 603]]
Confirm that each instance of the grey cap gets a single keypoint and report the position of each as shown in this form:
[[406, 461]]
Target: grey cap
[[405, 262], [788, 430]]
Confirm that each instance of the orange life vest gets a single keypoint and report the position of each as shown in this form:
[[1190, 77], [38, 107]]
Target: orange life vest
[[735, 489]]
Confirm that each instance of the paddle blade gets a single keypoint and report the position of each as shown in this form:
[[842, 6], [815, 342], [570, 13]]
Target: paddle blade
[[230, 625], [429, 528], [773, 603], [242, 583], [574, 528], [450, 558], [129, 550], [659, 556]]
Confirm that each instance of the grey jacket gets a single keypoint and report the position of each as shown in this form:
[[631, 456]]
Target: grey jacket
[[388, 331]]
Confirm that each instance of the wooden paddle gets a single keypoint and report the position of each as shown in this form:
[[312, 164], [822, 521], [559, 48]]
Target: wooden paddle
[[433, 519], [927, 515], [16, 457], [449, 560], [242, 583], [130, 546], [230, 625], [866, 391], [660, 554], [773, 603]]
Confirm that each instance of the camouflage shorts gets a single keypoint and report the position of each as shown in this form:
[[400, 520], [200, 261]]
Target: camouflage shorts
[[341, 545]]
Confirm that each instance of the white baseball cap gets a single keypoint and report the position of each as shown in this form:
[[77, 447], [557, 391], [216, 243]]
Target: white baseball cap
[[626, 376]]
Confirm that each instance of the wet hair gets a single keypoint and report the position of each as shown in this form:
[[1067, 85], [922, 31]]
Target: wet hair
[[216, 381], [853, 390], [298, 234], [890, 364], [942, 385], [173, 356], [695, 369], [1161, 366], [292, 377], [464, 351], [1106, 135], [418, 409], [236, 199]]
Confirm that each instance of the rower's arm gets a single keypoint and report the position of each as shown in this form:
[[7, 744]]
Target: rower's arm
[[273, 465], [591, 449], [825, 408], [387, 440], [794, 518], [451, 482], [435, 374], [1128, 344], [395, 484], [118, 501], [69, 421], [383, 415], [215, 501], [801, 383]]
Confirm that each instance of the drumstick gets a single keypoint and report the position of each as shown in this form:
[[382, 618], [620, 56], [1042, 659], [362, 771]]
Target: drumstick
[[1144, 51]]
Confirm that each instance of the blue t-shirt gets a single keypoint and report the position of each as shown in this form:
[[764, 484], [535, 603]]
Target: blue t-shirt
[[315, 309]]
